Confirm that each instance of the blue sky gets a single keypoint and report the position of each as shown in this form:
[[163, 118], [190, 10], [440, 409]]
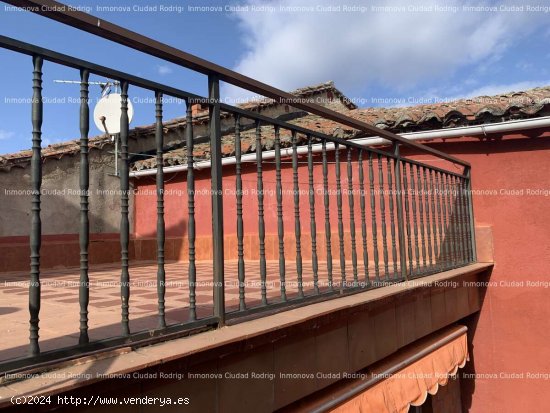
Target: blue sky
[[413, 52]]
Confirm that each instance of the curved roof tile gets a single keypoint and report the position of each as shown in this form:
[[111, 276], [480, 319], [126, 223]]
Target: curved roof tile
[[523, 104]]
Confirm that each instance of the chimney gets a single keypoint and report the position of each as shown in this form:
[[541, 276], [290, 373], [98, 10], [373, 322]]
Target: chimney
[[197, 109]]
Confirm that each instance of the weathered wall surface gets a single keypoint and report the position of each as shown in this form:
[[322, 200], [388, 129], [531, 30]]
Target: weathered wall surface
[[60, 197], [60, 182], [511, 182]]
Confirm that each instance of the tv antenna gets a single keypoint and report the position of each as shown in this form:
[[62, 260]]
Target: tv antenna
[[105, 86], [108, 110]]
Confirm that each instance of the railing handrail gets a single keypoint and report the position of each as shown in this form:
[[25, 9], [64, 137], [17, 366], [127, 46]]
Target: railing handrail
[[107, 30], [76, 63]]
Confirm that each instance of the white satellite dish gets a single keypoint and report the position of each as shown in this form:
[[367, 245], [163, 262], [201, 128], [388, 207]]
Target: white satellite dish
[[107, 113]]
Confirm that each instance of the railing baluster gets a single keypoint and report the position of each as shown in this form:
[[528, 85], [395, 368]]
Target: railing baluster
[[373, 220], [400, 222], [464, 221], [297, 226], [407, 215], [191, 227], [413, 202], [240, 230], [36, 223], [457, 220], [435, 222], [313, 225], [352, 218], [392, 218], [124, 207], [84, 233], [451, 217], [465, 234], [471, 221], [442, 229], [383, 219], [280, 223], [421, 217], [363, 218], [161, 274], [448, 238], [340, 218], [216, 173], [428, 222], [327, 215], [261, 222], [463, 244]]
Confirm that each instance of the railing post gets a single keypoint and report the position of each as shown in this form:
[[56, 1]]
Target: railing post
[[383, 218], [261, 222], [192, 273], [217, 197], [326, 202], [280, 223], [240, 229], [84, 233], [399, 202], [36, 223], [124, 210], [468, 173], [161, 274]]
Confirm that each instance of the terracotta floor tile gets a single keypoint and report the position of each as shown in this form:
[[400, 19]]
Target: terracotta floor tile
[[59, 317]]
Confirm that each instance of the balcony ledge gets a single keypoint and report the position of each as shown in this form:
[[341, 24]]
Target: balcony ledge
[[251, 334]]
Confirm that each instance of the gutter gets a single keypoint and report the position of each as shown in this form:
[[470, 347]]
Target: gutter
[[509, 126]]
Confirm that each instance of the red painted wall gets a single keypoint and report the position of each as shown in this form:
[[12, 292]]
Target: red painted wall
[[176, 209], [176, 199], [512, 334]]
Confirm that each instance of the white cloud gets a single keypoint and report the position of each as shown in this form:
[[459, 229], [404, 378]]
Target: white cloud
[[5, 135], [394, 49], [164, 70], [523, 65]]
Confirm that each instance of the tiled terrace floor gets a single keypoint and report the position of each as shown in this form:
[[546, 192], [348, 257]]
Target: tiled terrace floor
[[59, 314]]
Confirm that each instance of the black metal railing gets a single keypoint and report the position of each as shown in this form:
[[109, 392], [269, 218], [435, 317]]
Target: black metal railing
[[415, 219]]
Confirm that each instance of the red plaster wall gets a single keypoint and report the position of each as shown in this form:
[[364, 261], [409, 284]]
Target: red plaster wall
[[176, 199], [512, 333], [176, 211]]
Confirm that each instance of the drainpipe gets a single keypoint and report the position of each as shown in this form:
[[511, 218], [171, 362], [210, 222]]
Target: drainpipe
[[510, 126]]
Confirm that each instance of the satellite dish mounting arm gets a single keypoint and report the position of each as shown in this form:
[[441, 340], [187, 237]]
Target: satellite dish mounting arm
[[115, 138]]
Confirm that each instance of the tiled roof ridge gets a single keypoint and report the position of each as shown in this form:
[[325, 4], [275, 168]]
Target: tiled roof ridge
[[461, 112], [457, 112], [530, 103], [302, 92], [58, 150]]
